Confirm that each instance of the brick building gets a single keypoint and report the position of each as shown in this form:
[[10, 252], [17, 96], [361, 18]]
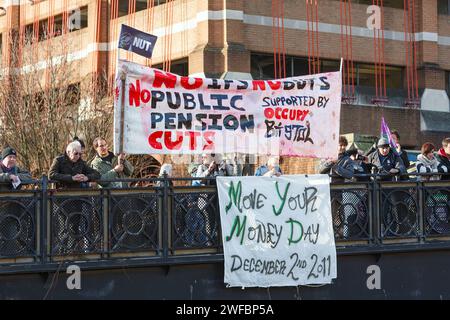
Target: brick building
[[235, 39]]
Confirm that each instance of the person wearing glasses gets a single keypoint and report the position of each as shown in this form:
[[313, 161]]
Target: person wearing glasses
[[111, 167], [70, 171]]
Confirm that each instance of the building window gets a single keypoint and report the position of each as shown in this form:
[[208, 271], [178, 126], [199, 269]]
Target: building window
[[447, 82], [443, 6], [179, 67], [262, 68], [398, 4], [366, 76], [77, 19], [58, 25], [123, 6], [78, 22]]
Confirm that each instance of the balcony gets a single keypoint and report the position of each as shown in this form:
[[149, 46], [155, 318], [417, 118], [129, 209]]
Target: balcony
[[42, 228], [365, 96]]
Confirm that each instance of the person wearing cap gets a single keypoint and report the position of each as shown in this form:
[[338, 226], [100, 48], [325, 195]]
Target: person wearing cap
[[11, 176], [111, 167], [70, 171], [386, 162]]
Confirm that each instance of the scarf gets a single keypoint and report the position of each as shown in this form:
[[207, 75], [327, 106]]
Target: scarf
[[10, 170], [442, 153], [108, 158], [433, 163]]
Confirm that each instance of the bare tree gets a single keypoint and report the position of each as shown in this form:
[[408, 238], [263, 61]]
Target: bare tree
[[45, 102]]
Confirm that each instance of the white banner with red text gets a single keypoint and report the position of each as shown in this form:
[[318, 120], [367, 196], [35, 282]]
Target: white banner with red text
[[169, 114]]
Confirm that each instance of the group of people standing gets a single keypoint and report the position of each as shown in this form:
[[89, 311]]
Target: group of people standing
[[214, 165], [69, 170], [386, 161]]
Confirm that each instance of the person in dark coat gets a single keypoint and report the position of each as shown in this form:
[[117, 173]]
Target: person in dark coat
[[386, 161], [443, 156], [74, 226], [402, 153], [397, 219], [11, 176], [330, 167], [70, 171]]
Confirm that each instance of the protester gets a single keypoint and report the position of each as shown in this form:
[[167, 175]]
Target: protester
[[11, 176], [443, 157], [398, 148], [212, 166], [83, 146], [427, 162], [386, 162], [438, 219], [270, 169], [70, 171], [351, 164], [165, 172], [330, 166], [110, 167]]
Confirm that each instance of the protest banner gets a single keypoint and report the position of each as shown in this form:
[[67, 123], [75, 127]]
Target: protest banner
[[277, 231], [168, 114]]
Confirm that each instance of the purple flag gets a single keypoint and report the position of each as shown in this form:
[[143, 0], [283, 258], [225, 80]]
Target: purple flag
[[386, 133]]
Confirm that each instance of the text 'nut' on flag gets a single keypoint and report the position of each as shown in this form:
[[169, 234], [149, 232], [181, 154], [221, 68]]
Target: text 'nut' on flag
[[137, 41]]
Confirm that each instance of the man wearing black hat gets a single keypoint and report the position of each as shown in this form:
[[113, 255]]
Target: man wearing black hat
[[11, 176]]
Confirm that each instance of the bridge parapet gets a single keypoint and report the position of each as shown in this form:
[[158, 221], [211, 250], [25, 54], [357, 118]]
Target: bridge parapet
[[41, 228]]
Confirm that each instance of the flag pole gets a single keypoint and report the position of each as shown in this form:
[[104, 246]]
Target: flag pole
[[122, 111], [122, 99]]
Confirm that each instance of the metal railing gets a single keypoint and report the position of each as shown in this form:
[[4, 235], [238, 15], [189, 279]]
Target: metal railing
[[42, 227]]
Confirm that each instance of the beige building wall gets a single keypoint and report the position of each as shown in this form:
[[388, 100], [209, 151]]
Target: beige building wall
[[217, 38]]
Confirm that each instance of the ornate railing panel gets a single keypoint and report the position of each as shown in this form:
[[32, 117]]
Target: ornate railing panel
[[195, 220], [436, 211], [134, 222], [160, 224], [351, 213], [399, 212], [18, 225], [76, 224]]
